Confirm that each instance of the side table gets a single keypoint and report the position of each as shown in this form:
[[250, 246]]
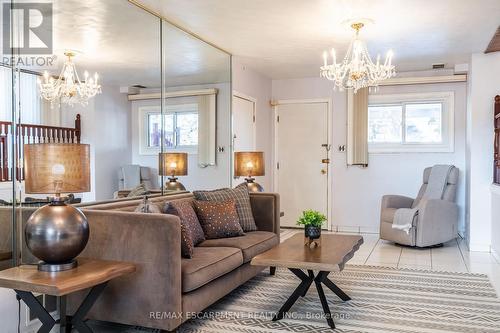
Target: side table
[[95, 274]]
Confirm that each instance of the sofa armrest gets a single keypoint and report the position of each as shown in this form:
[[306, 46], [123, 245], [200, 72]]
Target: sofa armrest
[[153, 243], [266, 211], [437, 222], [396, 201]]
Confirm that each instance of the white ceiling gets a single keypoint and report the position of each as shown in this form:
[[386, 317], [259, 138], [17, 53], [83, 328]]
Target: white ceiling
[[286, 38], [122, 43]]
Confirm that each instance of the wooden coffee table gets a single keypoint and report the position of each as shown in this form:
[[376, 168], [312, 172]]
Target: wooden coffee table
[[94, 274], [331, 256]]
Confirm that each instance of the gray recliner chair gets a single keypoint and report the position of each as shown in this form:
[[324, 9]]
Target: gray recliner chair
[[436, 221]]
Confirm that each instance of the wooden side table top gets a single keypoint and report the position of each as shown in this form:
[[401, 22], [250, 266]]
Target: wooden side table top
[[89, 273], [331, 256]]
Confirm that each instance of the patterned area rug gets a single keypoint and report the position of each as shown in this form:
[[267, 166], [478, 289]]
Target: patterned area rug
[[383, 300]]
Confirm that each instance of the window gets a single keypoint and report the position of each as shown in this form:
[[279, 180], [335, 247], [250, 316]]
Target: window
[[411, 123], [180, 128]]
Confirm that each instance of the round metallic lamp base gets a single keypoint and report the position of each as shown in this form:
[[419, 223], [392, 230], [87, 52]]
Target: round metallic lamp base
[[253, 186], [44, 267], [174, 185]]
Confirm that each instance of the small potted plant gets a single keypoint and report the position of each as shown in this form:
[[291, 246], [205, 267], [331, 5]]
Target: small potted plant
[[312, 221]]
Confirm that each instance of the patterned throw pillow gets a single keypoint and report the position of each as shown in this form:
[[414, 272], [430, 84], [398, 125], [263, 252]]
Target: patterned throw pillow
[[147, 207], [191, 231], [240, 196], [219, 219]]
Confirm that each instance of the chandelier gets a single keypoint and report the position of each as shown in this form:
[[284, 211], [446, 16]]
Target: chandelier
[[357, 70], [68, 88]]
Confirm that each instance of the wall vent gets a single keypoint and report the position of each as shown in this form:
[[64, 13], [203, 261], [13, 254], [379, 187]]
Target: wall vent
[[438, 66]]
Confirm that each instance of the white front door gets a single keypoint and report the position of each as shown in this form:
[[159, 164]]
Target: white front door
[[302, 142]]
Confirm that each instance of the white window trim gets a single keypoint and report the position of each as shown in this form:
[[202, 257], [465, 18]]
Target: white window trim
[[144, 112], [448, 123]]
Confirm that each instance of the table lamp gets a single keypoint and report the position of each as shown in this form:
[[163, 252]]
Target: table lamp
[[173, 164], [57, 233], [248, 164]]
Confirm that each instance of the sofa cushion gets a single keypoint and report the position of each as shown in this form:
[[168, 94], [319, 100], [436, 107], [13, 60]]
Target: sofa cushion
[[191, 231], [208, 264], [252, 244], [388, 214], [218, 219], [240, 196]]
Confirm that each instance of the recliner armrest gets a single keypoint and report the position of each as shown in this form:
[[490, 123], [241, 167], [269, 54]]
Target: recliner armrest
[[396, 201]]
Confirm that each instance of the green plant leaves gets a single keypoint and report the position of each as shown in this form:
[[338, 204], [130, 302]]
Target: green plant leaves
[[311, 218]]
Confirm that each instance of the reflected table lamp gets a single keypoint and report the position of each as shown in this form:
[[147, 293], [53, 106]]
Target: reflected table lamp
[[57, 233], [249, 164], [173, 164]]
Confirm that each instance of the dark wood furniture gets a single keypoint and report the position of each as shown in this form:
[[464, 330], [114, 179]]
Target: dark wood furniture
[[94, 274], [30, 133], [496, 163], [331, 256]]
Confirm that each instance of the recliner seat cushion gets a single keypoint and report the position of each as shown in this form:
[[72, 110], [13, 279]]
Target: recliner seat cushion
[[207, 264], [251, 244]]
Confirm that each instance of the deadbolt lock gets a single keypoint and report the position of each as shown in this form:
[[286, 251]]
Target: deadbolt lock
[[325, 160], [323, 171]]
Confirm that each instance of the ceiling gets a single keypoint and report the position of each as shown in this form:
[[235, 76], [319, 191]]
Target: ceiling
[[122, 43], [286, 38]]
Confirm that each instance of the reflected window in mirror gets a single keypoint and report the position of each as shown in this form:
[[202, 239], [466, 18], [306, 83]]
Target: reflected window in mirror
[[180, 128]]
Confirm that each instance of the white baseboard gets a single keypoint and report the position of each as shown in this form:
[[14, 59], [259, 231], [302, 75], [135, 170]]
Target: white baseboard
[[355, 229], [495, 254], [479, 247]]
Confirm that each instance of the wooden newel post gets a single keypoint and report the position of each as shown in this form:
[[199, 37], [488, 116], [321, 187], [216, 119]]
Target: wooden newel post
[[496, 161], [78, 128]]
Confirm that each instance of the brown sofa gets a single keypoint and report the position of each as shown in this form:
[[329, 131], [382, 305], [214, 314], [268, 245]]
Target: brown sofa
[[167, 289]]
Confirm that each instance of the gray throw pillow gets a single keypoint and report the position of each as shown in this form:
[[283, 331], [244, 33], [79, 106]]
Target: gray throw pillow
[[240, 196]]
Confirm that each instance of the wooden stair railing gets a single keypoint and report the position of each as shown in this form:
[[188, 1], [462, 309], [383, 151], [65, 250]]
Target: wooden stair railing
[[26, 134]]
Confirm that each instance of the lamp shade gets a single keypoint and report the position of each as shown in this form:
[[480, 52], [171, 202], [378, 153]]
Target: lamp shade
[[57, 168], [249, 163], [175, 164]]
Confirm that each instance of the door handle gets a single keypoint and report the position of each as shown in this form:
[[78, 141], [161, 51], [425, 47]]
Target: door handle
[[323, 171]]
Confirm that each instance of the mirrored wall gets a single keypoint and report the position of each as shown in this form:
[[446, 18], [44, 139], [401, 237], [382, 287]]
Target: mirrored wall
[[132, 86]]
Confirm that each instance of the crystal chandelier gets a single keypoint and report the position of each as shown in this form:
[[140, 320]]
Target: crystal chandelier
[[357, 70], [68, 88]]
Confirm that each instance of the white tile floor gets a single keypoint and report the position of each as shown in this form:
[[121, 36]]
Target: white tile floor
[[452, 257]]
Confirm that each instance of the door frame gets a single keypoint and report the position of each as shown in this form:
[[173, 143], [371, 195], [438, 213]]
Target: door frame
[[254, 101], [328, 101]]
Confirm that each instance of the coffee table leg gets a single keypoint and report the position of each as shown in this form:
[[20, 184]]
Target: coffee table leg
[[38, 310], [333, 287], [324, 303], [311, 277], [303, 286], [88, 302]]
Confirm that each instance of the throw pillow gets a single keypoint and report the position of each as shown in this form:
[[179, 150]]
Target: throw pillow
[[147, 207], [219, 219], [138, 191], [191, 231], [240, 196]]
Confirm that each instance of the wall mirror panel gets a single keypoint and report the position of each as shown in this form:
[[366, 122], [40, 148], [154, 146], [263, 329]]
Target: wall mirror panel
[[158, 91]]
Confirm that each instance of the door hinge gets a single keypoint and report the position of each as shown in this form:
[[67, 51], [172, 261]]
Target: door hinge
[[278, 119], [253, 118], [278, 165]]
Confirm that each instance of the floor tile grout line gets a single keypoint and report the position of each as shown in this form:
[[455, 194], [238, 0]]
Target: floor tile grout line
[[400, 254], [462, 255], [373, 248]]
